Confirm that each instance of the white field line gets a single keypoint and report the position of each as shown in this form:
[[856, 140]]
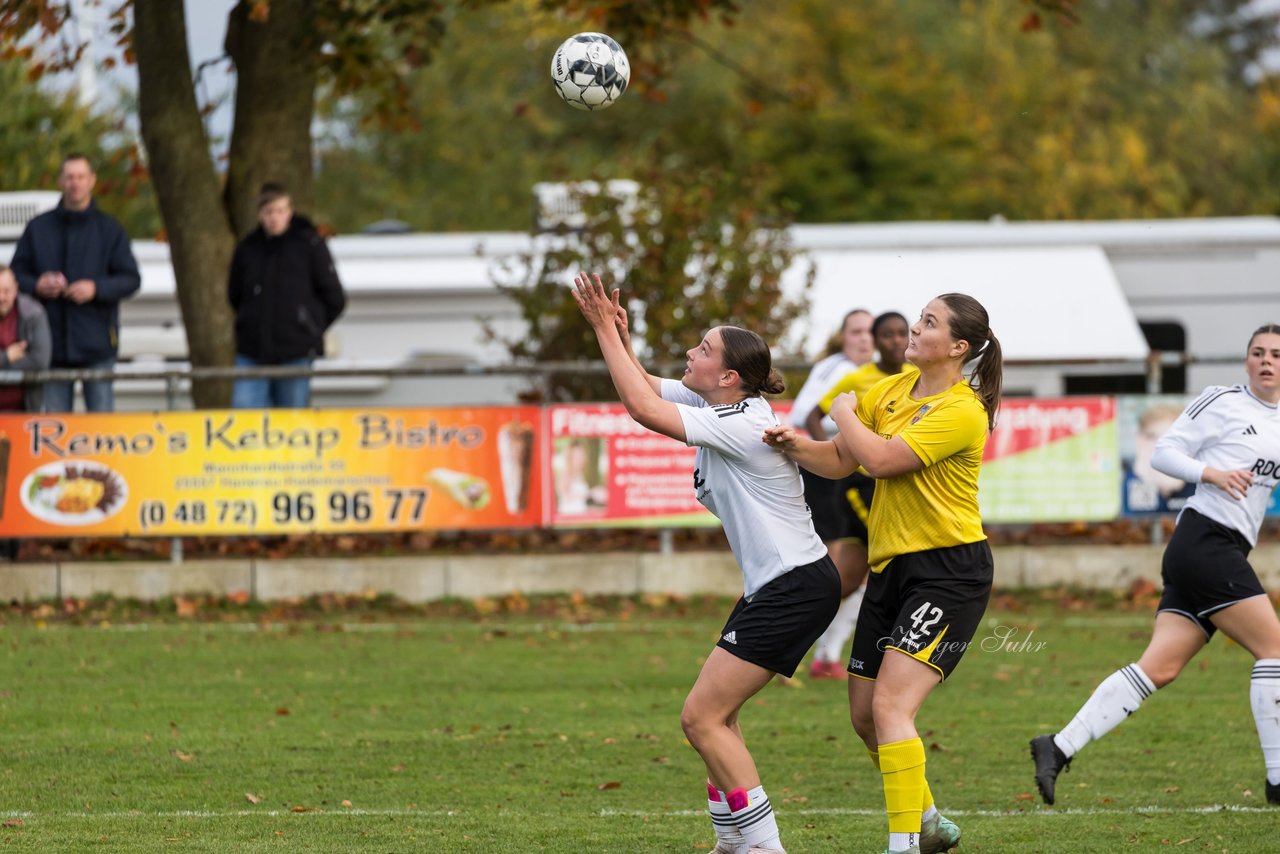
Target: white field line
[[607, 813]]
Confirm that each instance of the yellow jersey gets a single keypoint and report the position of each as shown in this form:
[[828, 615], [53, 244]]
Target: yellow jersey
[[936, 506], [860, 382]]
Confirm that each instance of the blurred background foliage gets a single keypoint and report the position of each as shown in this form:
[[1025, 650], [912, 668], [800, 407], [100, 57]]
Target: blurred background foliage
[[874, 111], [880, 110]]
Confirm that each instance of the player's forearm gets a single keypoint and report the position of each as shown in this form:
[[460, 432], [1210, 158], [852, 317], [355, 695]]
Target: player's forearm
[[871, 451], [638, 391], [826, 459]]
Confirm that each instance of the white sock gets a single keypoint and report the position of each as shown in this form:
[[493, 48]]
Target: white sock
[[903, 841], [1264, 696], [929, 814], [727, 834], [755, 819], [1119, 696], [830, 645]]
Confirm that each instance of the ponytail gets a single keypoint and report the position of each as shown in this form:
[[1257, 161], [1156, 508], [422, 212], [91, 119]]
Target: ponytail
[[969, 323], [988, 377]]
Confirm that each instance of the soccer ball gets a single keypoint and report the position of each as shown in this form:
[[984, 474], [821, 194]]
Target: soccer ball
[[590, 71]]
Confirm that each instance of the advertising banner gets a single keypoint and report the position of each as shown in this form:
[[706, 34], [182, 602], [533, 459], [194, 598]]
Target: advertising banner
[[1141, 421], [269, 471], [1051, 461], [607, 470]]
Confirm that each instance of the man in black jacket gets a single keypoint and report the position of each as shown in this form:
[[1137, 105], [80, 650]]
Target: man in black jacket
[[285, 293], [78, 262]]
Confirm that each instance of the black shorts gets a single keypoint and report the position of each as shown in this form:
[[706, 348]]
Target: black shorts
[[926, 604], [783, 619], [1205, 569], [839, 507]]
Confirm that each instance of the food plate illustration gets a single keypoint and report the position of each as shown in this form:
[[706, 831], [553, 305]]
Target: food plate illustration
[[82, 492]]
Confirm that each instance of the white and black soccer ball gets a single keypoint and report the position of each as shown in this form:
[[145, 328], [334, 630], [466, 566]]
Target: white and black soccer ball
[[590, 71]]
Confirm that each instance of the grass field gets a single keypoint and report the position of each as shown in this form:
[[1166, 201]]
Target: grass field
[[520, 732]]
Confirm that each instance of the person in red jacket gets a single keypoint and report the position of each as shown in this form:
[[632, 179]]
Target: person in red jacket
[[285, 292]]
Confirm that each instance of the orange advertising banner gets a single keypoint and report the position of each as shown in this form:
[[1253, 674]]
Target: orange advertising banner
[[270, 471]]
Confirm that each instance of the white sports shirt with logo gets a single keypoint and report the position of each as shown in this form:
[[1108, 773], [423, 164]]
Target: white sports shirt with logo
[[1228, 428], [822, 378], [753, 489]]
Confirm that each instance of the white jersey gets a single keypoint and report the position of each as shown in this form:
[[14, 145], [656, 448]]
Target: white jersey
[[1228, 428], [754, 490], [822, 378]]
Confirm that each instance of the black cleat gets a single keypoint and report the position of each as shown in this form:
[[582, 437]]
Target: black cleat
[[1050, 760], [1273, 793]]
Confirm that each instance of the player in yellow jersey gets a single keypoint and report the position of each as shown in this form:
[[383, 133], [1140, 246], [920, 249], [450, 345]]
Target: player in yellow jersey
[[921, 435], [890, 334]]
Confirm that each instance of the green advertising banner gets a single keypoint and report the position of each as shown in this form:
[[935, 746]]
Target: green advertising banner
[[1052, 461]]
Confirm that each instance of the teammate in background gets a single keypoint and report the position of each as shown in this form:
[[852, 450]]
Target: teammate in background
[[833, 517], [790, 586], [921, 436], [889, 331], [1227, 442]]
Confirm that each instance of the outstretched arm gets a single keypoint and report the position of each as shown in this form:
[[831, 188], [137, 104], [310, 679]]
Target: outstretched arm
[[620, 321], [635, 387], [830, 459]]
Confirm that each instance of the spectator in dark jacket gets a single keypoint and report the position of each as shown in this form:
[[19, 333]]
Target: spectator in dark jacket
[[78, 262], [285, 293], [24, 344]]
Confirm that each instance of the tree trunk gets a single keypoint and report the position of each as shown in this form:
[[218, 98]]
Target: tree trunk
[[277, 69], [200, 238]]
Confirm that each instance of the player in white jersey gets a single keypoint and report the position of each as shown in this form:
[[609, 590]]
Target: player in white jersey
[[790, 586], [1228, 443]]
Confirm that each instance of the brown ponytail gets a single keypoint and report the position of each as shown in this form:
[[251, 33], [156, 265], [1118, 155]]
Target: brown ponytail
[[969, 323]]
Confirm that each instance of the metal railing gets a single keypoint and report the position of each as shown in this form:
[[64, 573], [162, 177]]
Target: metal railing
[[174, 375]]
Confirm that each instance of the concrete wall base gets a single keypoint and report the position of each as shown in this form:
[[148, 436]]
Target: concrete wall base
[[430, 578]]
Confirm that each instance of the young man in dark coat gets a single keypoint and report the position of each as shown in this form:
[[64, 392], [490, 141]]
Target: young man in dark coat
[[285, 293], [78, 262]]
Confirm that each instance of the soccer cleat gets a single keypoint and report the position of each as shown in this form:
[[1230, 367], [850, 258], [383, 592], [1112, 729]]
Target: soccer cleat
[[938, 834], [1273, 793], [826, 670], [1050, 761]]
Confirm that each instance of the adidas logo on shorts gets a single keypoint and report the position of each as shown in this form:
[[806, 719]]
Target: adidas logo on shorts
[[731, 637]]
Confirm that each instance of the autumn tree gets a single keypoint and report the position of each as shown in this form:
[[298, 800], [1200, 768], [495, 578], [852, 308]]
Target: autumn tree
[[688, 251], [283, 52]]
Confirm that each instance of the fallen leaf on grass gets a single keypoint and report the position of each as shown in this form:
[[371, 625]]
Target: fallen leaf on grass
[[610, 785], [183, 757], [346, 803], [301, 808], [282, 711], [1025, 796], [13, 822], [252, 798]]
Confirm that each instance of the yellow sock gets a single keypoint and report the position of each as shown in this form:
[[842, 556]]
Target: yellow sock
[[875, 758], [927, 803], [902, 768]]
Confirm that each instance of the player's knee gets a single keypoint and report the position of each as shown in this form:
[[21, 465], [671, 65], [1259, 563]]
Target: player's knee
[[864, 724], [695, 723], [1161, 673]]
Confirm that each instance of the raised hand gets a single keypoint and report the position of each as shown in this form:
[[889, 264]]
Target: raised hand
[[596, 306]]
